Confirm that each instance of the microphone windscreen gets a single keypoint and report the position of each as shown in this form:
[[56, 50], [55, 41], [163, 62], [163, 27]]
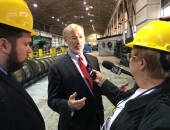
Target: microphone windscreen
[[107, 64]]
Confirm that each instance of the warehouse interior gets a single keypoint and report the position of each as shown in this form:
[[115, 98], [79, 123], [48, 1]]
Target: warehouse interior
[[112, 25], [108, 25]]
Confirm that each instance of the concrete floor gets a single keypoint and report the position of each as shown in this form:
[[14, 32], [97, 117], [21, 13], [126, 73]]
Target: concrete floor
[[38, 92]]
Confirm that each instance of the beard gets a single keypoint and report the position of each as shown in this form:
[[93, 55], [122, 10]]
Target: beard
[[12, 63]]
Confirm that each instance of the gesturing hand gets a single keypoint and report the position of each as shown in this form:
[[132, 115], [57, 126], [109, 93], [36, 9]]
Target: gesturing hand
[[123, 87], [76, 104]]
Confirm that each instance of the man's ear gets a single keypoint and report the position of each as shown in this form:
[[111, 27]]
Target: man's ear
[[143, 64], [65, 40], [4, 45]]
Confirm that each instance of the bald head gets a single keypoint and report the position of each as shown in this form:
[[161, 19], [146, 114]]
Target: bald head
[[71, 27]]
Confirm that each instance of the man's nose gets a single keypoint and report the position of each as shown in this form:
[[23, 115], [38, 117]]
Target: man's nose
[[29, 49], [79, 39]]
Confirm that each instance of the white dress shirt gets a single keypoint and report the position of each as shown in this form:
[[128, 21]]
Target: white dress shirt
[[76, 62]]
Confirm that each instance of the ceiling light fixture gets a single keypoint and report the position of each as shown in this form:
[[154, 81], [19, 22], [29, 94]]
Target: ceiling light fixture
[[87, 8], [90, 14], [78, 17], [93, 28], [84, 2], [58, 19], [52, 16], [90, 7], [35, 5]]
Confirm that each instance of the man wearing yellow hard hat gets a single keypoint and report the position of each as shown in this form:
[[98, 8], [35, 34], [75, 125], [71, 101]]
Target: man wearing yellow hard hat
[[147, 105], [17, 109]]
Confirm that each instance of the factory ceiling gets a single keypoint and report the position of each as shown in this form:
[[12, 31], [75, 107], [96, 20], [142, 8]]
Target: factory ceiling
[[60, 13]]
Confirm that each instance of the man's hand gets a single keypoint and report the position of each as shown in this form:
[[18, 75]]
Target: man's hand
[[123, 87], [76, 104]]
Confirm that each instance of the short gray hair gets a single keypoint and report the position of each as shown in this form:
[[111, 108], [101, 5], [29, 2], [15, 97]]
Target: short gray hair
[[69, 27]]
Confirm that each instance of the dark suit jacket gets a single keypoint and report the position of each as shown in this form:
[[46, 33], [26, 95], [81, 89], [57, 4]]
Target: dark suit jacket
[[17, 109], [147, 112], [64, 80]]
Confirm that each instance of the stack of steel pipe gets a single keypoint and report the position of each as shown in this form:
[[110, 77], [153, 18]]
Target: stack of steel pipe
[[33, 70]]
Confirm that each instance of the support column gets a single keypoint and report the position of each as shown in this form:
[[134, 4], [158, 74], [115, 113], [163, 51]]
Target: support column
[[146, 11], [40, 53], [31, 55]]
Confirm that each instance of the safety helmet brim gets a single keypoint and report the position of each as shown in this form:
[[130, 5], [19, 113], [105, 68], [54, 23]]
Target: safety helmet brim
[[16, 13], [153, 35], [165, 48]]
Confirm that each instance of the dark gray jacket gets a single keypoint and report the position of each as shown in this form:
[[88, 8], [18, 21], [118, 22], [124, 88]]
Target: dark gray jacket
[[147, 112], [17, 109]]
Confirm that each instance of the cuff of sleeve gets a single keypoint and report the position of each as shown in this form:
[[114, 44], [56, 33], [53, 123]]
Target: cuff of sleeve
[[71, 112], [101, 82]]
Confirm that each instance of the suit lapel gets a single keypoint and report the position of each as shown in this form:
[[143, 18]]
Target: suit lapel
[[72, 68], [92, 64], [18, 87], [89, 60], [68, 63]]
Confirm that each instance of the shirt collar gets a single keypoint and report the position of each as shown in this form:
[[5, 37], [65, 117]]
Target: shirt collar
[[3, 70], [75, 57]]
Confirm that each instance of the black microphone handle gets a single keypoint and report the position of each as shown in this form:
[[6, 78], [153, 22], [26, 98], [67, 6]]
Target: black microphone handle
[[114, 68], [126, 72]]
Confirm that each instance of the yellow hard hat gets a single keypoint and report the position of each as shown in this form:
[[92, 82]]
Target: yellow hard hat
[[156, 35], [17, 14]]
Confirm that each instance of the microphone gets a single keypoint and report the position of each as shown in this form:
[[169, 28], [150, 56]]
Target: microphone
[[114, 68]]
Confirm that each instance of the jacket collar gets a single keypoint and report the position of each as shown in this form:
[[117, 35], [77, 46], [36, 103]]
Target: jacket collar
[[138, 102], [3, 70]]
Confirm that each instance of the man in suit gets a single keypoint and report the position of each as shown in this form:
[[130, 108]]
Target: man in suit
[[70, 92], [17, 109]]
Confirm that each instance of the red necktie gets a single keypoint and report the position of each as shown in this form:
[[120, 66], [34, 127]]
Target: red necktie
[[85, 73]]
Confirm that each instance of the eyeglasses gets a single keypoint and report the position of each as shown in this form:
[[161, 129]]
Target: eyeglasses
[[129, 56], [75, 38]]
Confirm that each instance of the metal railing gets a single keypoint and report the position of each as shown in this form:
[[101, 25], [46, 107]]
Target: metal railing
[[52, 52]]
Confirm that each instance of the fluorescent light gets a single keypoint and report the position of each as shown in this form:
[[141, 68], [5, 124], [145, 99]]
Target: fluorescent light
[[35, 5], [93, 28], [90, 7], [87, 8]]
